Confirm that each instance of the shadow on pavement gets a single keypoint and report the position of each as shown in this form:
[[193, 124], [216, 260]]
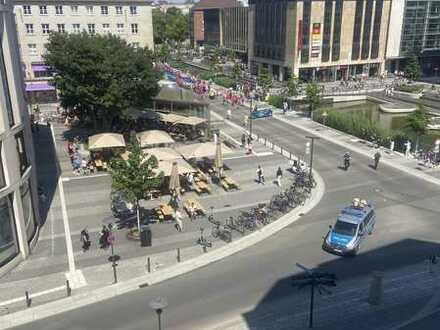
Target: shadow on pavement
[[391, 257], [47, 168]]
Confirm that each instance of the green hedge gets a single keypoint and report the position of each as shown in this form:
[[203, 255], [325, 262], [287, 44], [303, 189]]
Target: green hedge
[[276, 101], [224, 81], [410, 88]]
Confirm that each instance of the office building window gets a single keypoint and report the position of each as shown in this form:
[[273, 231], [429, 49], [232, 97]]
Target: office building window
[[356, 44], [61, 28], [21, 150], [45, 28], [89, 10], [74, 10], [104, 10], [5, 86], [376, 29], [328, 13], [59, 10], [91, 28], [336, 44], [29, 28], [2, 173], [27, 10], [133, 10], [8, 236], [118, 10], [106, 28], [134, 28], [367, 30], [43, 10], [28, 212], [32, 49], [305, 50], [76, 28], [120, 28]]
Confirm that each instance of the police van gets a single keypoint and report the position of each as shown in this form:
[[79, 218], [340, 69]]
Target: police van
[[353, 224]]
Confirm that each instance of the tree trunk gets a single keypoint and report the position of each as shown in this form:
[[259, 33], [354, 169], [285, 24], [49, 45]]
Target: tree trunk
[[417, 144], [138, 217]]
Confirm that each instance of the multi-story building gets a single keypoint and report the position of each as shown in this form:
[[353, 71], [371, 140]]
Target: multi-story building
[[414, 30], [318, 39], [19, 216], [220, 23], [129, 19]]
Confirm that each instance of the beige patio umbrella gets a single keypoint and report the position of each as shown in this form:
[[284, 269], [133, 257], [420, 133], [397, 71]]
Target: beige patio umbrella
[[154, 137], [200, 150], [218, 161], [106, 140], [163, 153], [166, 167], [174, 185]]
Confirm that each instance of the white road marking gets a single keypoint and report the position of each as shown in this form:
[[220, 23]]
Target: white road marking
[[69, 246], [32, 295], [52, 233]]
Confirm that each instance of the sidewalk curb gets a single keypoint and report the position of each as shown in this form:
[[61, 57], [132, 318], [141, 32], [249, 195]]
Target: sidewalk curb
[[401, 168], [107, 292]]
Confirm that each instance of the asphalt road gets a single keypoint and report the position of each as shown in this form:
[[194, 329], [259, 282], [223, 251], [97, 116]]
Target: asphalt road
[[408, 212]]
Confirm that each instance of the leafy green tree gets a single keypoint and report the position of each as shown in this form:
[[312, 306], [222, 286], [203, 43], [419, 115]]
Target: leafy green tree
[[412, 68], [293, 86], [159, 26], [313, 96], [264, 79], [177, 25], [236, 71], [162, 53], [417, 122], [100, 76], [136, 177]]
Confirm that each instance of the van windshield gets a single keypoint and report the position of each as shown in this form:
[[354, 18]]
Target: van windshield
[[345, 228]]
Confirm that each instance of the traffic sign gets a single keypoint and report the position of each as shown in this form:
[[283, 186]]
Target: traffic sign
[[307, 148]]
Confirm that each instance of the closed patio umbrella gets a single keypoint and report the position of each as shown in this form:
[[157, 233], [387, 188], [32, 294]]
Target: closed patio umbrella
[[174, 179], [218, 161]]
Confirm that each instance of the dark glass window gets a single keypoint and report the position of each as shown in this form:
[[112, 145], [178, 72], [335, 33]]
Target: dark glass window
[[5, 86], [367, 30], [28, 211], [21, 150], [376, 29], [8, 236], [328, 12], [336, 47], [2, 173], [355, 49], [306, 31]]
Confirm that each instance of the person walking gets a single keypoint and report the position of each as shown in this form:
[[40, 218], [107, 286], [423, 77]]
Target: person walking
[[179, 222], [192, 211], [228, 114], [377, 156], [103, 238], [279, 176], [260, 174], [285, 107], [243, 140], [85, 239]]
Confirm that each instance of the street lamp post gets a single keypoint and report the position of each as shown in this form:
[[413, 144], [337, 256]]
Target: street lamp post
[[158, 305], [313, 138], [324, 117], [114, 258]]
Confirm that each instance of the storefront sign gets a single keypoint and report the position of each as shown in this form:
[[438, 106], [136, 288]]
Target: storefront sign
[[316, 40]]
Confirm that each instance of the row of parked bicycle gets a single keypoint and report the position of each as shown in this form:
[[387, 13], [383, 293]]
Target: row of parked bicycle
[[248, 221]]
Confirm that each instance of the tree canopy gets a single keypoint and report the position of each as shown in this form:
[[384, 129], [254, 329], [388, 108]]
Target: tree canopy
[[293, 86], [417, 122], [264, 79], [313, 96], [172, 26], [100, 75], [412, 68]]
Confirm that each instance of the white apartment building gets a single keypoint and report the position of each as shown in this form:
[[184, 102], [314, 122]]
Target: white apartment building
[[129, 19]]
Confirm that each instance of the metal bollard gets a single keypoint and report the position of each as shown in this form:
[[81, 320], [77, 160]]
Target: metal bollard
[[149, 265], [28, 299], [68, 288], [178, 254]]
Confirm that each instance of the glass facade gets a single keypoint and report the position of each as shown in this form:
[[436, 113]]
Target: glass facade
[[432, 40], [8, 237], [307, 10], [413, 27], [28, 211], [328, 13], [270, 32], [4, 85], [355, 49], [336, 45], [376, 29], [367, 30], [22, 156]]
